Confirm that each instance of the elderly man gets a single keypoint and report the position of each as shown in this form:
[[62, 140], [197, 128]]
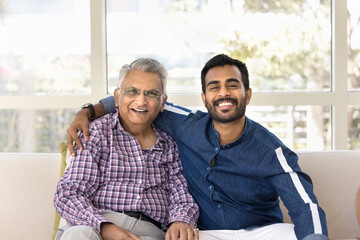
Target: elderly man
[[127, 183]]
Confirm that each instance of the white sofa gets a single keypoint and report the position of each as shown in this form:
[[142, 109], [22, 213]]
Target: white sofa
[[27, 185]]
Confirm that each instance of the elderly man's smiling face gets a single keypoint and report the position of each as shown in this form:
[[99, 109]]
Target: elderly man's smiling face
[[140, 99]]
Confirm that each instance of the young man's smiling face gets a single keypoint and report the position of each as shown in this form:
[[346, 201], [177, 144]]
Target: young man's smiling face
[[225, 96], [139, 110]]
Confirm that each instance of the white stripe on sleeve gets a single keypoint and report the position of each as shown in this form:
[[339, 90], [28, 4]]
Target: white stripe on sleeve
[[300, 188], [175, 110]]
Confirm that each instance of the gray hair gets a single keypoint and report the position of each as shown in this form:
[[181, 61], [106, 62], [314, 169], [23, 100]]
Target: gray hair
[[146, 65]]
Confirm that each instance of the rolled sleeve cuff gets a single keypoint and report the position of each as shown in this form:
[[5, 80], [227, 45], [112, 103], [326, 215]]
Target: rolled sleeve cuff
[[316, 237], [109, 104], [96, 221], [189, 220]]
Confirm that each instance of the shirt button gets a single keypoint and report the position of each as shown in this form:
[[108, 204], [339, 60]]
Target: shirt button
[[216, 148], [219, 206], [210, 187], [140, 182], [139, 158], [138, 196], [208, 168]]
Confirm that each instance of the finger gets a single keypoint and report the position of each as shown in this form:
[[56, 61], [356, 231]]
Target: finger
[[196, 234], [85, 129], [133, 236], [167, 235], [183, 233], [175, 235], [73, 133], [78, 142], [172, 234], [70, 145], [190, 233]]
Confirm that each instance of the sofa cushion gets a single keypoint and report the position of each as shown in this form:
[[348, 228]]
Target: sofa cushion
[[335, 176]]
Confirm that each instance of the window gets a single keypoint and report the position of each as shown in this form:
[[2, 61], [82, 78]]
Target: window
[[44, 57], [286, 46], [294, 51], [45, 48]]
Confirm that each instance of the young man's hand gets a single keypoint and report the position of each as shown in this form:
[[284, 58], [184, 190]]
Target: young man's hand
[[80, 123], [181, 231]]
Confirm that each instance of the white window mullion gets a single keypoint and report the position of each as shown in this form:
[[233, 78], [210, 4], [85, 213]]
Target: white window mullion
[[98, 50], [339, 74]]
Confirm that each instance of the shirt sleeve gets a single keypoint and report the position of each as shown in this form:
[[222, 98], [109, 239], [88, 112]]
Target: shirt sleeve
[[296, 191], [109, 104], [182, 206], [171, 119], [76, 189]]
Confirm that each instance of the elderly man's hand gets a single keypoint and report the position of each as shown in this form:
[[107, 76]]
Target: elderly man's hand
[[182, 231], [110, 231], [80, 123]]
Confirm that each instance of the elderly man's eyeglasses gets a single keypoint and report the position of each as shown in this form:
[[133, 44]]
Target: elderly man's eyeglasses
[[133, 93]]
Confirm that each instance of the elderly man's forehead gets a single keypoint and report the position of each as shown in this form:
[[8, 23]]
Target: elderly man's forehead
[[135, 76]]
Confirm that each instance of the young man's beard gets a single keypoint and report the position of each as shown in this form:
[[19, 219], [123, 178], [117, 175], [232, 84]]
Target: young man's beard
[[223, 117]]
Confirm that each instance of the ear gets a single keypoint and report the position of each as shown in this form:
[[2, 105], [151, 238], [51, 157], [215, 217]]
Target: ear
[[116, 96], [248, 96], [203, 98], [164, 99]]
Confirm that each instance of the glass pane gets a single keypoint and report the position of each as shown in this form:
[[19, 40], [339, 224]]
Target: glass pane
[[34, 130], [354, 128], [286, 44], [44, 47], [354, 45], [298, 127]]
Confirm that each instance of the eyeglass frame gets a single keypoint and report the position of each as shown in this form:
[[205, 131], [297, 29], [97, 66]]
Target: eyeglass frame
[[138, 92]]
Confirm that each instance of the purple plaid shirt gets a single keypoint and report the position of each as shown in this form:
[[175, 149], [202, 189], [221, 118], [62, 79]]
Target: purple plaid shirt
[[114, 173]]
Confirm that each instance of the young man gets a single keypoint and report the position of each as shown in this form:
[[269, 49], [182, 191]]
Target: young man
[[235, 168], [127, 183]]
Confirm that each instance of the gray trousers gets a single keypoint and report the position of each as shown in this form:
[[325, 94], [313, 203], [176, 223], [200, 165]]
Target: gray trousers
[[145, 230]]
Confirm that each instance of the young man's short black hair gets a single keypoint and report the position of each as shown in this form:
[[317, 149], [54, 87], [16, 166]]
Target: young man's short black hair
[[222, 60]]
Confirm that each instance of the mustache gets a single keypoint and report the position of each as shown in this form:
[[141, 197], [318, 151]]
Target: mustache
[[235, 101]]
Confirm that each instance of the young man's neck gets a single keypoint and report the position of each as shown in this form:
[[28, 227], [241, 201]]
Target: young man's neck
[[231, 131]]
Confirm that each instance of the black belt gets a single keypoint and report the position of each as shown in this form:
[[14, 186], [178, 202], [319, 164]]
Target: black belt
[[141, 216]]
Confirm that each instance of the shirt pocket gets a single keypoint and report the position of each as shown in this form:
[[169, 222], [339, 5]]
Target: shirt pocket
[[157, 170], [121, 167]]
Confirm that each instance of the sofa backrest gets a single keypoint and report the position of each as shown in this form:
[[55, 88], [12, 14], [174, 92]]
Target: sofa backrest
[[28, 181], [335, 176]]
